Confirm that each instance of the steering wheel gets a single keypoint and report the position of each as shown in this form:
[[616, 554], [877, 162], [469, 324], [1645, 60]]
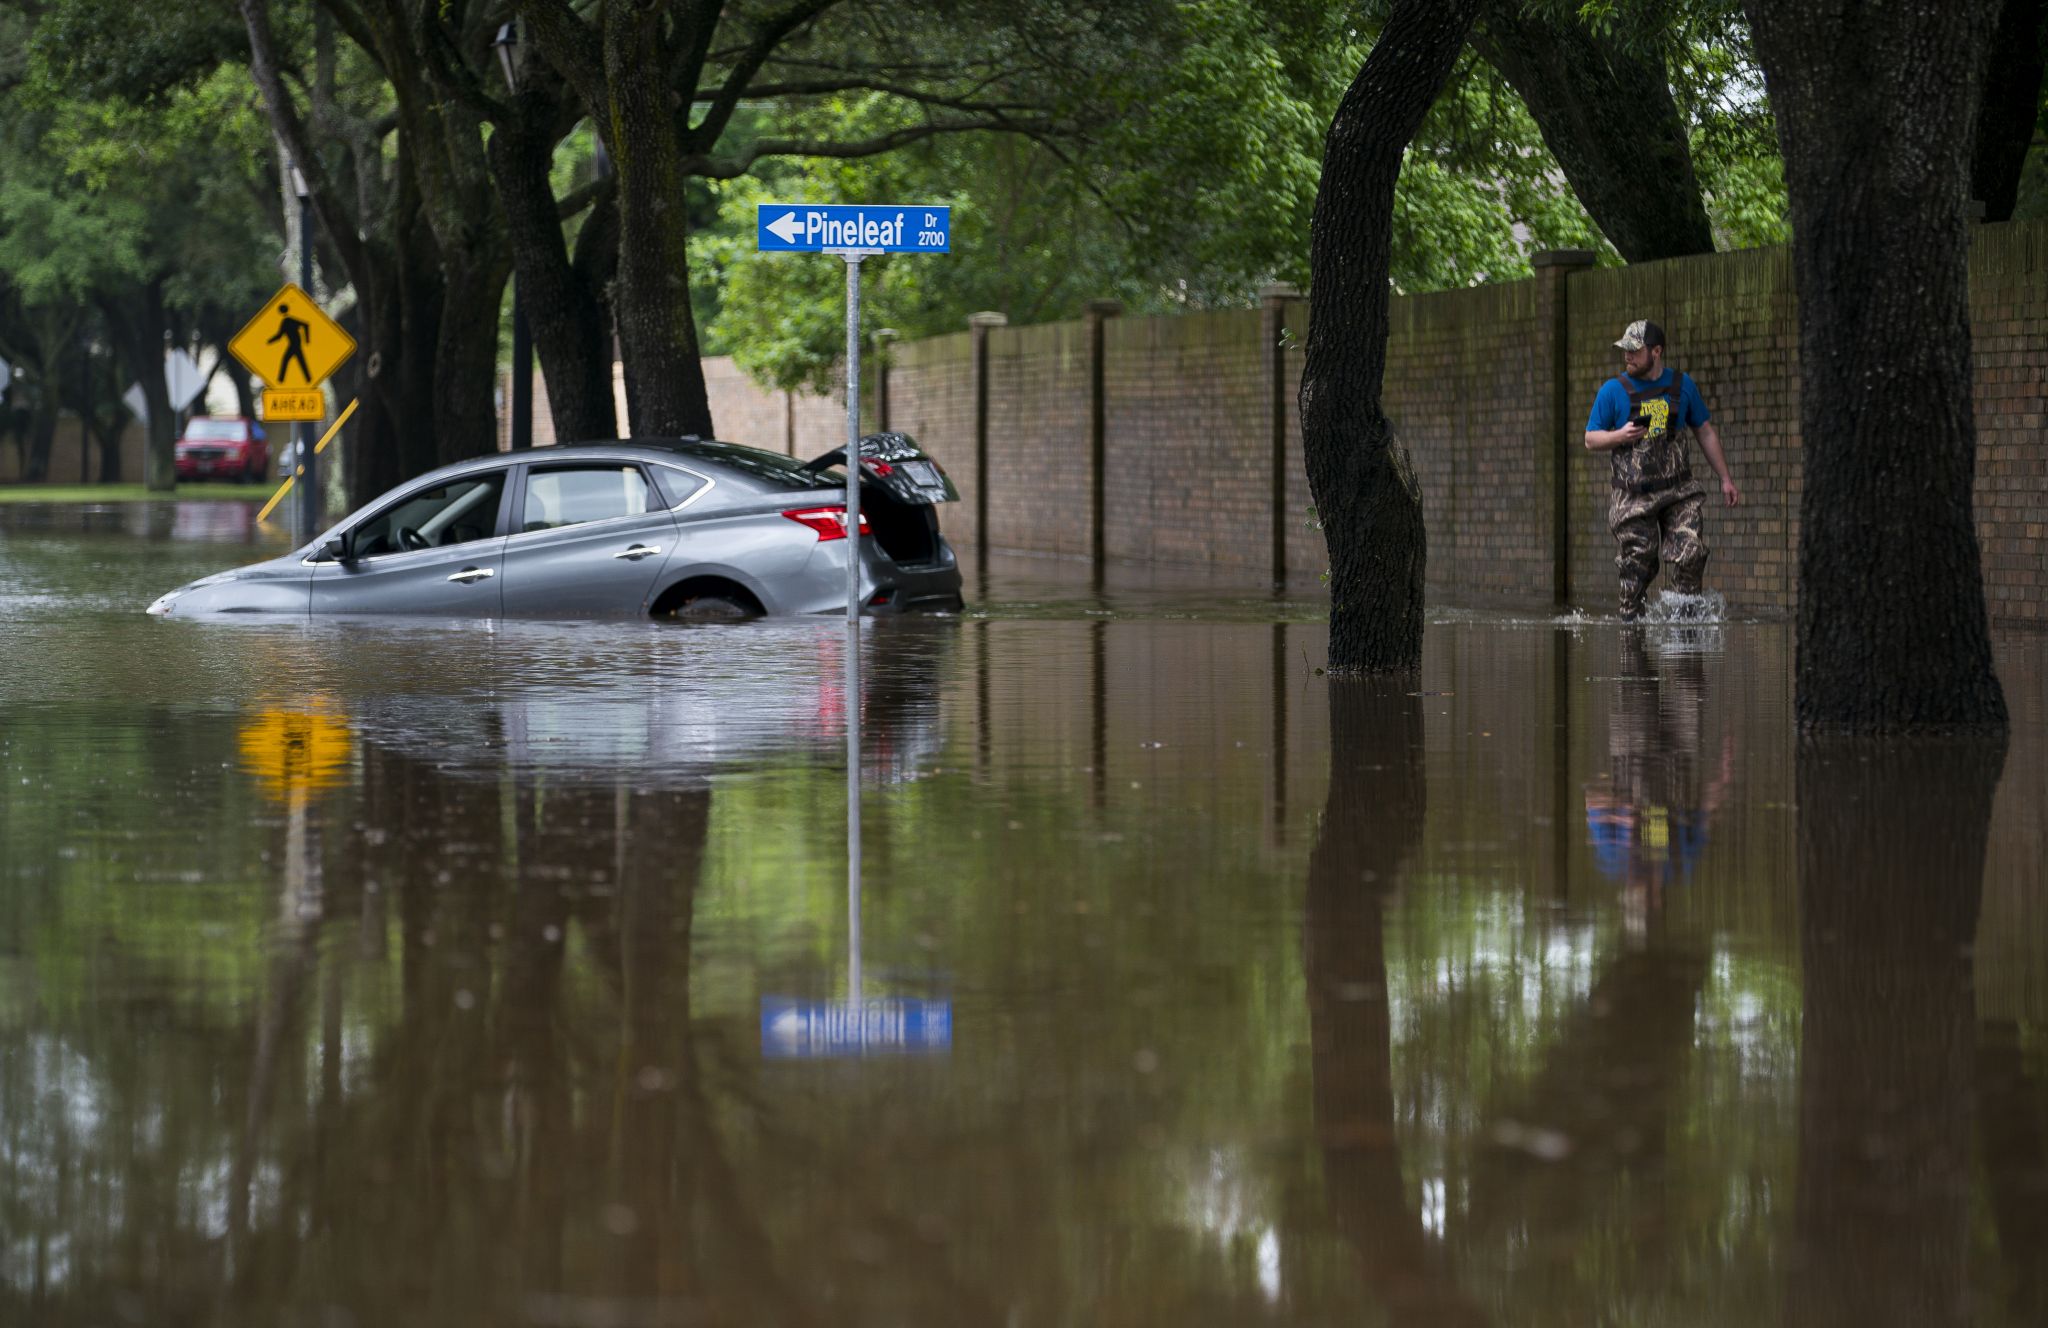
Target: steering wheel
[[408, 538]]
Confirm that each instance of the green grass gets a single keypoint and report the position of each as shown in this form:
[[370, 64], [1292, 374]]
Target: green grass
[[128, 493]]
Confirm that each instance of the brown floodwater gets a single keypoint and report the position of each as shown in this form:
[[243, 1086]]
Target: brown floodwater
[[404, 973]]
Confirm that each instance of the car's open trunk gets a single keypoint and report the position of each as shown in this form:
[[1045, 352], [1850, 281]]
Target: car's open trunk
[[908, 533]]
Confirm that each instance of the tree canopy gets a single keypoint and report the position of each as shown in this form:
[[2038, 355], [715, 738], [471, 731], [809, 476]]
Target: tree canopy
[[1165, 155]]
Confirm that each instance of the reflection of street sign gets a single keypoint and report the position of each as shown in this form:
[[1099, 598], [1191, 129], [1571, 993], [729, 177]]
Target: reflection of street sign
[[819, 1029], [875, 228], [293, 404], [292, 751], [290, 343]]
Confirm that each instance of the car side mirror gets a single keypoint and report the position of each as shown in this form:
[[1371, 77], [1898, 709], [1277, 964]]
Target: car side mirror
[[340, 549]]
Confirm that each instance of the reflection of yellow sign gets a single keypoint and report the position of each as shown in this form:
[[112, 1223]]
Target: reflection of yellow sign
[[294, 404], [295, 751], [291, 343]]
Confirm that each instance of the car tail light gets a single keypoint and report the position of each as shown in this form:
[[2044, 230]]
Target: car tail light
[[829, 522]]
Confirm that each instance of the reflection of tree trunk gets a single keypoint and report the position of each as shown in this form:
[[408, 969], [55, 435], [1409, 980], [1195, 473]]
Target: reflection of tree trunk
[[1891, 869], [1372, 821], [2016, 1161], [1600, 1105]]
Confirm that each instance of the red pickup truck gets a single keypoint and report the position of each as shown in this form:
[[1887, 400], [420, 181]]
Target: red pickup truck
[[222, 447]]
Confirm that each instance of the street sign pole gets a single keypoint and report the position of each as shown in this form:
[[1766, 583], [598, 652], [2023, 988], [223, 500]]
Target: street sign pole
[[854, 232], [853, 983], [307, 468]]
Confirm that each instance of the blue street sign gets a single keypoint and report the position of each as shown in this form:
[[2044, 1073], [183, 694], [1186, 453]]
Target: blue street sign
[[875, 228], [813, 1029]]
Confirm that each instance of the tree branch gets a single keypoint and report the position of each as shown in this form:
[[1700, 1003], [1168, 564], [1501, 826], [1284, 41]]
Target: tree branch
[[734, 167], [570, 45], [340, 222], [745, 66]]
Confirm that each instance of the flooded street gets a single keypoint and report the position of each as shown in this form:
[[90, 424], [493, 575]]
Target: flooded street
[[408, 973]]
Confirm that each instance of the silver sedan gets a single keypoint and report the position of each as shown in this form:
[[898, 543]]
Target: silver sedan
[[683, 528]]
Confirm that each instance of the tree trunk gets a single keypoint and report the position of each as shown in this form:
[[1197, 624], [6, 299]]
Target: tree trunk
[[2012, 106], [1365, 491], [1891, 870], [465, 359], [42, 429], [1606, 114], [665, 394], [570, 326], [1874, 115]]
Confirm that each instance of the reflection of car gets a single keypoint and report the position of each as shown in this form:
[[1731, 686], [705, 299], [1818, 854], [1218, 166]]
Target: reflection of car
[[686, 528], [229, 448]]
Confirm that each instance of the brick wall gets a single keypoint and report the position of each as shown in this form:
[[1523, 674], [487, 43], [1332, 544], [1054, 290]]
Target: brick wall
[[1188, 446], [1466, 386], [64, 454], [1490, 404], [2009, 317]]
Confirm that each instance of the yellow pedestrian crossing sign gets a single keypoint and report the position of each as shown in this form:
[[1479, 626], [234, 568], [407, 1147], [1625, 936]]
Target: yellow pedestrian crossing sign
[[290, 343]]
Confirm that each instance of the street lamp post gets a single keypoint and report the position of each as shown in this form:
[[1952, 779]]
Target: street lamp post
[[506, 42], [305, 467]]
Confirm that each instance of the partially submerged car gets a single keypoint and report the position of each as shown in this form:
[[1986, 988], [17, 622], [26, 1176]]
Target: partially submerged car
[[685, 527]]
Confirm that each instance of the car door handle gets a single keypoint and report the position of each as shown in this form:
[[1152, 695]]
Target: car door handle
[[637, 552], [469, 574]]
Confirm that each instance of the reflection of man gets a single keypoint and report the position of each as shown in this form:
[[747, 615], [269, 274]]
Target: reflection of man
[[1650, 824], [292, 332], [1654, 509]]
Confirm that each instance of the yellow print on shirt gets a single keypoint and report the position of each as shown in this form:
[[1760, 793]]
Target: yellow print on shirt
[[1657, 410]]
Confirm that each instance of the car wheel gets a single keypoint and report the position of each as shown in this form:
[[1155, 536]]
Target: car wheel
[[711, 608]]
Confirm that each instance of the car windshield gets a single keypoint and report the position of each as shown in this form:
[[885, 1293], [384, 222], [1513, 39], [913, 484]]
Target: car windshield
[[454, 513], [214, 431]]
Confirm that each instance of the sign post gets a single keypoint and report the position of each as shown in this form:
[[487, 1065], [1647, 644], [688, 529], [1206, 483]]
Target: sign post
[[292, 345], [854, 232]]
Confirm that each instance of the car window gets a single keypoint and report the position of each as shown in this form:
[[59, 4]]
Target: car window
[[572, 495], [676, 485], [453, 513], [214, 431], [765, 468]]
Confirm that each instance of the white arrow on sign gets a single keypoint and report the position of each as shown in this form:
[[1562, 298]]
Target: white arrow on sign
[[786, 228]]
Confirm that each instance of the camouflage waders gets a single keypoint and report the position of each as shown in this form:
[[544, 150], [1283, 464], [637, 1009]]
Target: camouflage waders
[[1654, 509]]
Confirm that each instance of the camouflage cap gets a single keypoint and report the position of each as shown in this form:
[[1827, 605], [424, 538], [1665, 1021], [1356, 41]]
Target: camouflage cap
[[1641, 333]]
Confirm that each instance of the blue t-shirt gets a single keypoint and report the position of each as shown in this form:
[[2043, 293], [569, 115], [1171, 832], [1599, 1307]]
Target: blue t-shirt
[[1610, 408]]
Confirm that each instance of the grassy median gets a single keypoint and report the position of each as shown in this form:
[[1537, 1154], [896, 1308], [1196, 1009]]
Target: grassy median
[[130, 493]]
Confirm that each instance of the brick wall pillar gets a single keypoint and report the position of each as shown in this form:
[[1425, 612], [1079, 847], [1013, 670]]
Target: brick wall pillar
[[978, 326], [1554, 269], [1098, 313], [1272, 329], [883, 336]]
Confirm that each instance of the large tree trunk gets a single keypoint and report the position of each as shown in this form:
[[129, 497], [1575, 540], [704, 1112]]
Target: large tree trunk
[[1606, 114], [665, 394], [1365, 491], [137, 322], [2012, 106], [1891, 869], [1874, 114], [569, 321]]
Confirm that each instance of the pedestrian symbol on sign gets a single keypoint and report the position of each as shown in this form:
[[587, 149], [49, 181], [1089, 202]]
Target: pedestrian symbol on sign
[[292, 332]]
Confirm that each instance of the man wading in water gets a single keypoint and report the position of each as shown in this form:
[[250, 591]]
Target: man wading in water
[[1654, 510]]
